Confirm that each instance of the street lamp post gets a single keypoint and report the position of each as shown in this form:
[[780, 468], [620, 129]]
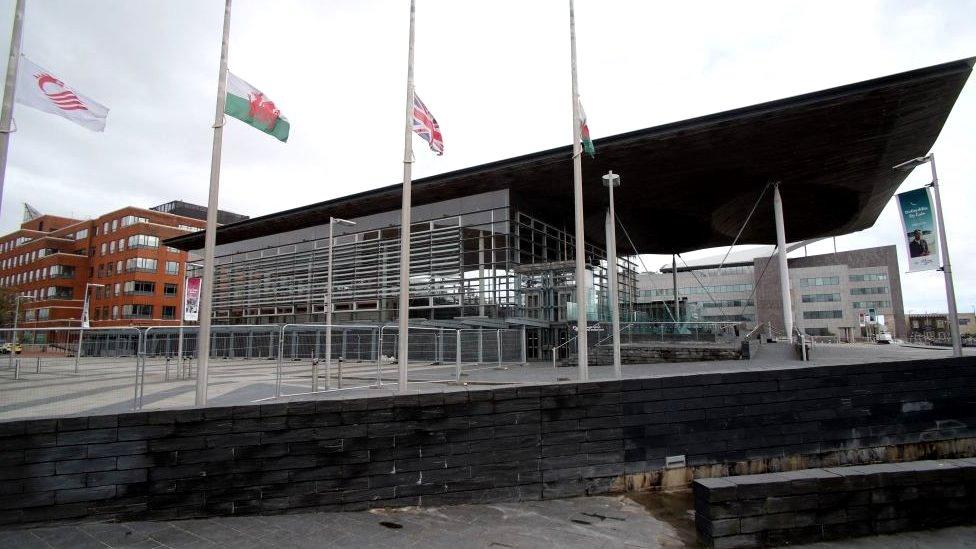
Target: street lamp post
[[610, 181], [946, 266], [13, 339], [328, 309], [84, 320]]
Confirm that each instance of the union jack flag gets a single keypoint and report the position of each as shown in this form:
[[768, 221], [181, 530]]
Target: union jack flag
[[425, 125]]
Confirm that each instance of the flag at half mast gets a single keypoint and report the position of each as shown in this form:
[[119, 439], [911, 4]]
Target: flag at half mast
[[249, 105], [425, 125], [585, 132]]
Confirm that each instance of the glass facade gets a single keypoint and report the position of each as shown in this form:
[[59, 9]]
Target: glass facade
[[476, 256]]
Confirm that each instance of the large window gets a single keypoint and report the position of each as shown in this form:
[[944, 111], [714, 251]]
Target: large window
[[728, 303], [139, 287], [169, 312], [82, 234], [137, 311], [62, 271], [871, 304], [172, 268], [820, 298], [143, 241], [60, 292], [818, 315], [870, 277], [141, 264], [169, 289], [869, 291], [820, 281], [132, 220]]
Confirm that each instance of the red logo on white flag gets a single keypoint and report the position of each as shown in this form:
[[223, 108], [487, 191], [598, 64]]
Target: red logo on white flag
[[38, 88], [53, 88]]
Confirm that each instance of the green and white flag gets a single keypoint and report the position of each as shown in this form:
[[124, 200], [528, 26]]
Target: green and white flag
[[249, 105]]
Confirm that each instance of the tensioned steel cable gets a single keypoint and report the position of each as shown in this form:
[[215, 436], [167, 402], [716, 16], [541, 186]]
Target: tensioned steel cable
[[744, 224], [721, 307], [646, 270], [758, 280]]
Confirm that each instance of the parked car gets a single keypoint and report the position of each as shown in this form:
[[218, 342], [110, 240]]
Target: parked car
[[883, 338], [5, 348]]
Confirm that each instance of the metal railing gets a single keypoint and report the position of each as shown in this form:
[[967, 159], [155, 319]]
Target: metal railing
[[63, 371], [801, 340], [720, 334]]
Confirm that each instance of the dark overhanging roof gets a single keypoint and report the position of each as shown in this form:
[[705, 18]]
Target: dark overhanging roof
[[689, 185]]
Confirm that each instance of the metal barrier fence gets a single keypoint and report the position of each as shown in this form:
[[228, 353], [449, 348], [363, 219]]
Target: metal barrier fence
[[53, 372], [64, 371]]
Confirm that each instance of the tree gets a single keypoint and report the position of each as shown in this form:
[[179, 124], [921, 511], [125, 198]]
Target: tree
[[7, 307]]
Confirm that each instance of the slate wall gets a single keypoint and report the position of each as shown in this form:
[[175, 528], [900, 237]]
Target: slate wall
[[471, 446], [813, 505]]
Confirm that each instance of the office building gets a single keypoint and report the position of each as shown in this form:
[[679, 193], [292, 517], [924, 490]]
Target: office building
[[833, 295], [132, 277]]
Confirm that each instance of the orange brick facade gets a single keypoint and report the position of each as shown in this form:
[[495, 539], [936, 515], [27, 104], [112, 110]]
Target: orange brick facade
[[51, 260]]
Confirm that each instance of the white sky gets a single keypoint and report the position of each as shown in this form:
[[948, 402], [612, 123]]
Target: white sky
[[495, 74]]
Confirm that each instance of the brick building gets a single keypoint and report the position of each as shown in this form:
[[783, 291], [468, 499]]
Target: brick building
[[935, 326], [50, 260]]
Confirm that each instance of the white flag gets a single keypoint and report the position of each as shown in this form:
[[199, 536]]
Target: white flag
[[38, 88]]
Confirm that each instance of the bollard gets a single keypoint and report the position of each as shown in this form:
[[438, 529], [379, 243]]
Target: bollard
[[281, 357], [457, 358], [379, 357], [315, 374], [17, 369], [38, 365], [498, 341], [166, 374], [525, 361]]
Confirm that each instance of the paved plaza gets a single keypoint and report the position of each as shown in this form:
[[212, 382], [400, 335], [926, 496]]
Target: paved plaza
[[655, 520], [50, 386]]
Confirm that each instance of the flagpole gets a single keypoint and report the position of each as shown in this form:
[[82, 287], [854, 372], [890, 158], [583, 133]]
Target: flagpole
[[584, 366], [7, 110], [210, 240], [404, 309]]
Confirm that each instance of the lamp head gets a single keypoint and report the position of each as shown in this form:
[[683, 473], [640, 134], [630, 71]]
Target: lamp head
[[910, 165], [611, 179]]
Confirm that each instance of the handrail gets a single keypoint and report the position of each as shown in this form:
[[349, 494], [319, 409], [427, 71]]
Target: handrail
[[759, 327], [567, 342], [802, 338], [627, 327], [557, 347]]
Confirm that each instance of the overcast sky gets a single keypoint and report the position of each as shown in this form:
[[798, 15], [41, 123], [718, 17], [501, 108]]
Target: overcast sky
[[495, 74]]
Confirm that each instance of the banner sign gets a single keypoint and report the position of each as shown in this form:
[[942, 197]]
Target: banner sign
[[918, 222], [191, 299]]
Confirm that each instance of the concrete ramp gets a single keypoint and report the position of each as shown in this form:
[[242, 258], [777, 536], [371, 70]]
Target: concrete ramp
[[777, 351]]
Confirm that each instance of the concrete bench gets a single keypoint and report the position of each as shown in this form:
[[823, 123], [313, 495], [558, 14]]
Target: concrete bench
[[819, 504]]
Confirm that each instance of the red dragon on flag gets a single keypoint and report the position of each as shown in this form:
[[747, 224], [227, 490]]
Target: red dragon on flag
[[263, 110]]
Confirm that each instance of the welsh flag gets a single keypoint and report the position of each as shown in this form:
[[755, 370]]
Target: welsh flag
[[585, 132], [249, 105]]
